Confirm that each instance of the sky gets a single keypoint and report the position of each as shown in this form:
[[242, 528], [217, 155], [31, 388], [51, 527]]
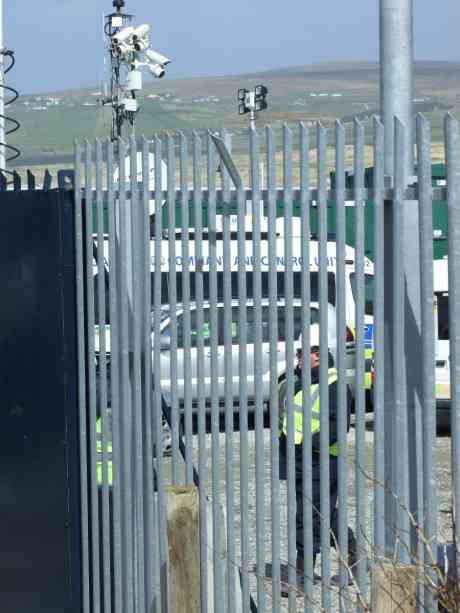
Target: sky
[[58, 43]]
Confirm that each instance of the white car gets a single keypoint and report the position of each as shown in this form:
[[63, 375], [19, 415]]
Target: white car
[[180, 376]]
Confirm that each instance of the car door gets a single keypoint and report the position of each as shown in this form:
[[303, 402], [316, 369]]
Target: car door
[[180, 377], [236, 351]]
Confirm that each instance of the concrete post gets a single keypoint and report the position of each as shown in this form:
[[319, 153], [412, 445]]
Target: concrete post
[[394, 588], [184, 549]]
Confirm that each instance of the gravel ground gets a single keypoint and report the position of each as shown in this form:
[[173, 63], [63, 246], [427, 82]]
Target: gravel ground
[[443, 483]]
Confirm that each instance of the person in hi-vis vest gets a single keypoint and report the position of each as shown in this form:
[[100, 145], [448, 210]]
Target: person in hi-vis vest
[[313, 361]]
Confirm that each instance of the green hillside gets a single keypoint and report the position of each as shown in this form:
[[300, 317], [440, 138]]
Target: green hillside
[[51, 122]]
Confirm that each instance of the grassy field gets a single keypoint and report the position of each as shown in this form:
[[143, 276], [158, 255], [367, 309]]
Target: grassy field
[[50, 123]]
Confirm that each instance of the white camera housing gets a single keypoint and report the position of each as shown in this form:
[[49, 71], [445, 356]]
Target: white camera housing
[[124, 50], [141, 45], [134, 80], [130, 105], [157, 58], [157, 70], [123, 35], [141, 31]]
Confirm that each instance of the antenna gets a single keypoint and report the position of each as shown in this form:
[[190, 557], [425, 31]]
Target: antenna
[[8, 152], [128, 50], [2, 95]]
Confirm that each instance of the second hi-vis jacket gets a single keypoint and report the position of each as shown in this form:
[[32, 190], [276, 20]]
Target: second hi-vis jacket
[[315, 410]]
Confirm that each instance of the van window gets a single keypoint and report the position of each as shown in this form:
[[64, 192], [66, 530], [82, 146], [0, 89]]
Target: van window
[[443, 315], [280, 285], [368, 292]]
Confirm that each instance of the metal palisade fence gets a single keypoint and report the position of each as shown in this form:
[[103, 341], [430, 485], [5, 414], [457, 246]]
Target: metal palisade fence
[[194, 293]]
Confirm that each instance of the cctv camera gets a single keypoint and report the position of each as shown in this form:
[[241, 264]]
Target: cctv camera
[[157, 58], [123, 35], [141, 31], [124, 50], [141, 45], [157, 70]]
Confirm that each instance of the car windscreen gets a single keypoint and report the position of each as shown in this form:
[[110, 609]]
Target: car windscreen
[[204, 330]]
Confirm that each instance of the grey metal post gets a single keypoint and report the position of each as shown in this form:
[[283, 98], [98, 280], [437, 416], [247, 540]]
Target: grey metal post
[[396, 87], [396, 75]]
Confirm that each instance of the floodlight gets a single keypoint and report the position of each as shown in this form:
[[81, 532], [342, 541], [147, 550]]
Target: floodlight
[[260, 91], [260, 105], [157, 58], [118, 4], [252, 101]]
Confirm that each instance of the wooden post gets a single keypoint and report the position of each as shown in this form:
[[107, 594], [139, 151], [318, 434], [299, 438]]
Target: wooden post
[[394, 588], [184, 549]]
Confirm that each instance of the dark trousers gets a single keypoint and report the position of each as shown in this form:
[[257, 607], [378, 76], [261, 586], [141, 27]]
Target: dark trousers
[[316, 503], [316, 500]]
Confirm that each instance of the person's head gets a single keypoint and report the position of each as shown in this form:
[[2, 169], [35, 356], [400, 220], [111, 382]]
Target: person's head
[[314, 357]]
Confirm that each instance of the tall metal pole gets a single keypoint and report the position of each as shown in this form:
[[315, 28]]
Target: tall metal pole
[[396, 76], [402, 370], [2, 95]]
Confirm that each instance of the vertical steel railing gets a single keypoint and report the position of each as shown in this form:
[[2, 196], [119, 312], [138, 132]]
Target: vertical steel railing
[[157, 364], [379, 340], [103, 475], [360, 399], [342, 395], [289, 340], [228, 319], [214, 316], [324, 477], [83, 434], [452, 144], [429, 523], [90, 361], [123, 501], [273, 369], [187, 366], [199, 295], [400, 450], [257, 342], [306, 374]]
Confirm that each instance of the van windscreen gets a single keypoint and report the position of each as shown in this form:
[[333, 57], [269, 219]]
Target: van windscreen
[[181, 281]]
